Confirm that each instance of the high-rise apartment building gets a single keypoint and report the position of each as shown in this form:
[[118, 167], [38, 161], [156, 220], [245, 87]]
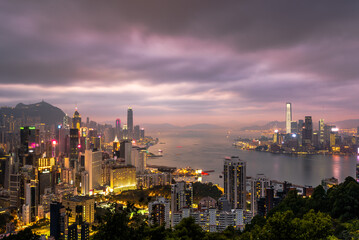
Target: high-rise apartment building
[[181, 197], [159, 212], [235, 182], [258, 190], [288, 117]]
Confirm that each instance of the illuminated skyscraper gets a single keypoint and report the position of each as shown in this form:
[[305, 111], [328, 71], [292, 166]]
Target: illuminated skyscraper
[[235, 182], [66, 122], [74, 147], [130, 122], [124, 132], [29, 139], [93, 165], [288, 117], [76, 120]]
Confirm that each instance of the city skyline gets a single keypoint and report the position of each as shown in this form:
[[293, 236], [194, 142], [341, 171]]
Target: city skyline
[[182, 63]]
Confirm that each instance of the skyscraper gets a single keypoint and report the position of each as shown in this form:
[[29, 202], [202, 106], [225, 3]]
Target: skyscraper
[[66, 122], [294, 127], [321, 132], [142, 133], [57, 220], [118, 128], [307, 131], [93, 161], [235, 182], [74, 147], [29, 140], [288, 117], [130, 122], [76, 120], [125, 151], [136, 132]]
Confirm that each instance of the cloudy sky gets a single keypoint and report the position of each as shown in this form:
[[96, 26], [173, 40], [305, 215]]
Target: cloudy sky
[[183, 62]]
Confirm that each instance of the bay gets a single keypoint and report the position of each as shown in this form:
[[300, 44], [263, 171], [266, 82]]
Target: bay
[[206, 149]]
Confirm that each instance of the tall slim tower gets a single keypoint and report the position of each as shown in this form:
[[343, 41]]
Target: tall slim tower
[[321, 132], [235, 182], [288, 117], [118, 128], [130, 122]]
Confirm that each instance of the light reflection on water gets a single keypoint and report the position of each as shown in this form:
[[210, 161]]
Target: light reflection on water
[[203, 149]]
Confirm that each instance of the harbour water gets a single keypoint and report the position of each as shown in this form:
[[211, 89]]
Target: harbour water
[[206, 149]]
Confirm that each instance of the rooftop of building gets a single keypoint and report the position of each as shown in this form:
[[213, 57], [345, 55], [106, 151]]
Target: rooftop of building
[[79, 198]]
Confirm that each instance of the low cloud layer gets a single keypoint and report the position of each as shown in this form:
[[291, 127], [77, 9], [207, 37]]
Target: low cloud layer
[[183, 61]]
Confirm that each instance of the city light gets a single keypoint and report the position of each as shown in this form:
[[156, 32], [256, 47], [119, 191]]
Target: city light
[[54, 142]]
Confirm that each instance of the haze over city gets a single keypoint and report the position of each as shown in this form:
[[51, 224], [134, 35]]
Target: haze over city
[[182, 62]]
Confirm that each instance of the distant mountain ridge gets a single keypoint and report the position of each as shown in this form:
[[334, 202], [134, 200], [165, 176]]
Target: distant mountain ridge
[[45, 112], [270, 125], [350, 123], [167, 126]]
